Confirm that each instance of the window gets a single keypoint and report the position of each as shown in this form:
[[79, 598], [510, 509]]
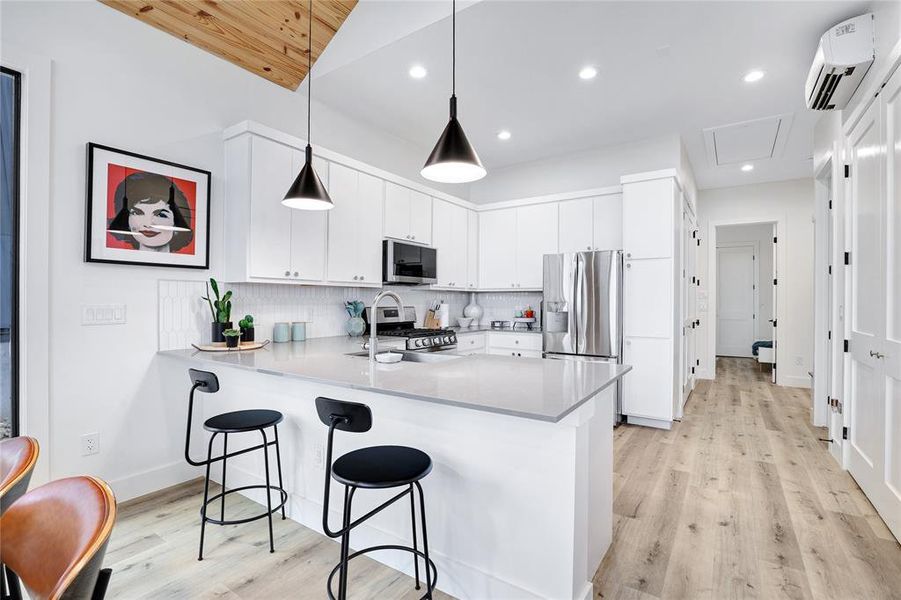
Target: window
[[10, 111]]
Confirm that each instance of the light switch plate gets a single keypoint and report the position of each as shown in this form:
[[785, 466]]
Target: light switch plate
[[103, 314]]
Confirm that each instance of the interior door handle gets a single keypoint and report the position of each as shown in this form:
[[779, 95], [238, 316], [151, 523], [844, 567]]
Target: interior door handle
[[877, 354]]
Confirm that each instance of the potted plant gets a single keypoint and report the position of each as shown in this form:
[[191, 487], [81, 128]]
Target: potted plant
[[232, 337], [246, 327], [221, 309]]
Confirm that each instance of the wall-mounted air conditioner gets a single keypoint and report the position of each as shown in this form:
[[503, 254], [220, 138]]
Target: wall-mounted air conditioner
[[843, 57]]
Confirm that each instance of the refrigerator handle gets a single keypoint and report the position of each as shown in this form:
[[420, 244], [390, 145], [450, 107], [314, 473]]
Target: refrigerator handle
[[578, 303]]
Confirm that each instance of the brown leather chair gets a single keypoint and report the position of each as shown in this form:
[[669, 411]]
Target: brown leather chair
[[54, 538], [18, 456]]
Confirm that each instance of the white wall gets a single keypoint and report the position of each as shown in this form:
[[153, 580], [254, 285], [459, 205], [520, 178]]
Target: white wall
[[601, 167], [791, 205], [762, 235], [119, 82]]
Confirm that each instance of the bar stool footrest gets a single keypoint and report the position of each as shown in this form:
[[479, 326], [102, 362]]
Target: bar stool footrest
[[263, 515], [419, 553]]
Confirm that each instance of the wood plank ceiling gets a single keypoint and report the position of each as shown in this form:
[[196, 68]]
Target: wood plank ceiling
[[266, 37]]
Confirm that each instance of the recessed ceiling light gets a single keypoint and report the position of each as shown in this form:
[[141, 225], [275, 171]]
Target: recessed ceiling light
[[747, 168], [755, 75], [588, 72], [418, 72], [503, 135]]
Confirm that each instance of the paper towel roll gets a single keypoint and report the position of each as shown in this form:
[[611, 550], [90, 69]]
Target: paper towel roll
[[444, 315]]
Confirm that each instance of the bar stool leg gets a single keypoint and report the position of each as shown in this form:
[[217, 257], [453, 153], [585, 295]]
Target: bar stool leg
[[268, 491], [415, 548], [425, 544], [206, 494], [345, 543], [278, 461], [224, 454]]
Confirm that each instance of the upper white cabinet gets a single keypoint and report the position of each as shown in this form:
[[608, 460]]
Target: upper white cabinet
[[355, 227], [450, 236], [472, 250], [594, 223], [512, 244], [266, 240], [649, 218], [408, 214]]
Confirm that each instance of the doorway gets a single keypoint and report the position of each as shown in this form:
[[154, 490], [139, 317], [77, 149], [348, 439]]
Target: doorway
[[10, 111]]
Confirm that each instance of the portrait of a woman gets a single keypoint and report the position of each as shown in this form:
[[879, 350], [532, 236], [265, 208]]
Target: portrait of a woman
[[152, 214]]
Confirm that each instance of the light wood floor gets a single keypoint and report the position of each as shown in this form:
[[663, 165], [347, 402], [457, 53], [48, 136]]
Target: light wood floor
[[739, 500]]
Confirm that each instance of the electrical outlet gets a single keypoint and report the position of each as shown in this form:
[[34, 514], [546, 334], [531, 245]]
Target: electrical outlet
[[90, 444], [103, 314], [319, 455]]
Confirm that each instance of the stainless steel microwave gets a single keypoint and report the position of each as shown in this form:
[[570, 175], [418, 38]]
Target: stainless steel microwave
[[408, 264]]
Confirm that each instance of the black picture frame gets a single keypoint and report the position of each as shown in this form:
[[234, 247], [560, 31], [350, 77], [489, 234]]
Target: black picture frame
[[91, 251]]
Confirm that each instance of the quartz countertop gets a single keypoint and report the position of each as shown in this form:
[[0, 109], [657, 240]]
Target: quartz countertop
[[532, 388]]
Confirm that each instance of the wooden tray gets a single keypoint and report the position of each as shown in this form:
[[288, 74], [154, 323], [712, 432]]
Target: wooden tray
[[221, 347]]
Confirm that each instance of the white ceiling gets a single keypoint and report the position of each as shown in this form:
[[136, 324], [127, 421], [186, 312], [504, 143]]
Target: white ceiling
[[664, 68]]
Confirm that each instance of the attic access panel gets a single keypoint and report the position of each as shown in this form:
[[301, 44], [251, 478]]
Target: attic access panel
[[747, 141]]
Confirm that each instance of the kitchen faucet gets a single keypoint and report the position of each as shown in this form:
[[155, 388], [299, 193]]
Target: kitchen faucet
[[373, 318]]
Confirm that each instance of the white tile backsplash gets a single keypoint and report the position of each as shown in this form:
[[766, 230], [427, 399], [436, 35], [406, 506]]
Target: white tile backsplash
[[184, 318]]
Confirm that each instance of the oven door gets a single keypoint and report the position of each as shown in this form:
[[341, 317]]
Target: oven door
[[408, 263]]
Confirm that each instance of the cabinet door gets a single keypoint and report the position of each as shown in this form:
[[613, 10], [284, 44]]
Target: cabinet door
[[576, 225], [309, 231], [420, 218], [443, 240], [370, 199], [270, 222], [608, 222], [472, 249], [648, 388], [648, 219], [397, 211], [497, 244], [536, 235], [342, 225], [648, 298]]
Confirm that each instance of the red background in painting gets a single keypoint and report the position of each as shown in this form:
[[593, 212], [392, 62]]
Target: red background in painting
[[114, 176]]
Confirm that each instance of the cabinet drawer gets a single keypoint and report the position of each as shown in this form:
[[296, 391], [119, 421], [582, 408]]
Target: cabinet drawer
[[515, 341], [471, 341], [515, 353]]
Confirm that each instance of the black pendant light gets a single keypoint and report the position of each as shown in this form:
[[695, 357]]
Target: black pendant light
[[307, 191], [453, 160]]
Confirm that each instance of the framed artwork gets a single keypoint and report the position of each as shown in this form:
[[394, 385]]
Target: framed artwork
[[146, 211]]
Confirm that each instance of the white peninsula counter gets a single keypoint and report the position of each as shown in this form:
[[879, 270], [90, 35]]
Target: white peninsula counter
[[519, 502]]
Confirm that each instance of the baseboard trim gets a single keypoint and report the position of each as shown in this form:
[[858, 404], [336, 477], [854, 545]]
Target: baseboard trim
[[795, 381], [152, 480], [646, 422]]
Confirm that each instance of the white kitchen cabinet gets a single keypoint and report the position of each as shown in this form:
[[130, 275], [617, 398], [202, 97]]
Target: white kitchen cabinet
[[649, 218], [470, 343], [408, 214], [508, 340], [355, 227], [271, 174], [648, 389], [576, 221], [497, 249], [648, 297], [450, 237], [594, 223], [309, 230], [536, 235], [472, 249]]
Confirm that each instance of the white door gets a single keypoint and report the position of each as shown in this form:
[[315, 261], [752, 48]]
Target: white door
[[608, 222], [272, 172], [576, 220], [497, 249], [420, 218], [874, 440], [735, 306], [536, 235], [397, 211], [774, 310], [309, 230]]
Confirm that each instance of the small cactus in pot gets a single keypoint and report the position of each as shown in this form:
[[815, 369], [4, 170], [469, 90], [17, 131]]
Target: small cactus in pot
[[232, 338], [246, 327]]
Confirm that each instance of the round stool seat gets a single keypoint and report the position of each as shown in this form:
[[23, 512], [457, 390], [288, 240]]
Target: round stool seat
[[382, 466], [243, 420]]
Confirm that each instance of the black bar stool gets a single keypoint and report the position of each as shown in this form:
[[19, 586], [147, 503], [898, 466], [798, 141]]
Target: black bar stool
[[376, 467], [240, 421]]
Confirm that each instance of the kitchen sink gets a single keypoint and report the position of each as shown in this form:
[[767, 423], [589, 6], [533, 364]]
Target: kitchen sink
[[417, 357]]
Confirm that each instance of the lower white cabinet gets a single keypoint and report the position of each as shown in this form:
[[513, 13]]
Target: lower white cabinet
[[648, 388], [518, 345], [470, 343]]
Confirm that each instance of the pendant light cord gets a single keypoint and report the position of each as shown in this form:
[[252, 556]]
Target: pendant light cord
[[454, 48], [310, 74]]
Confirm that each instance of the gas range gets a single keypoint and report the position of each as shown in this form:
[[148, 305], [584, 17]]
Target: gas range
[[392, 324]]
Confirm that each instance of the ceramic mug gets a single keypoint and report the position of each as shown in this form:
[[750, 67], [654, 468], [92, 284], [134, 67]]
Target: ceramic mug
[[281, 332], [299, 331]]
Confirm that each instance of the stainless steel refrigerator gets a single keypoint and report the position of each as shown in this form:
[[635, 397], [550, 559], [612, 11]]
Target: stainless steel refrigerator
[[582, 309]]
